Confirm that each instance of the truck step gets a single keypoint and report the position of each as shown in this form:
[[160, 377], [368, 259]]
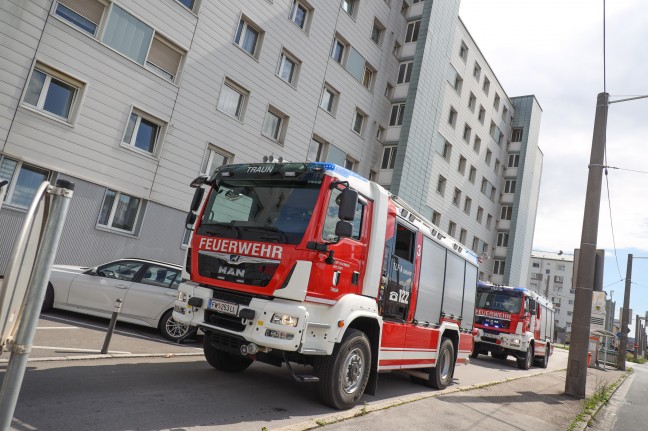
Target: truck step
[[301, 378]]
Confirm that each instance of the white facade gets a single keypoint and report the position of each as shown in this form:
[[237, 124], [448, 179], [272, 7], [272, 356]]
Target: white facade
[[132, 100], [550, 275]]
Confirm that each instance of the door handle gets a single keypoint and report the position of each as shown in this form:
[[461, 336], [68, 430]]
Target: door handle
[[121, 286]]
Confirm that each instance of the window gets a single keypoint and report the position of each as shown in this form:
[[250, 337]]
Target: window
[[475, 243], [467, 132], [477, 71], [496, 102], [359, 122], [498, 268], [472, 101], [389, 90], [404, 8], [161, 276], [506, 212], [329, 99], [300, 14], [328, 233], [23, 179], [463, 233], [480, 214], [505, 113], [436, 218], [558, 279], [368, 77], [458, 83], [486, 86], [447, 150], [502, 239], [397, 48], [452, 117], [462, 165], [380, 133], [463, 51], [317, 150], [496, 169], [189, 4], [119, 211], [215, 159], [248, 37], [489, 221], [275, 125], [405, 72], [467, 205], [232, 99], [489, 155], [513, 160], [482, 114], [84, 14], [288, 68], [338, 51], [372, 175], [350, 7], [493, 192], [412, 31], [142, 131], [389, 158], [452, 228], [350, 164], [516, 135], [377, 32], [131, 37], [477, 144], [52, 92], [536, 265], [560, 267], [456, 197], [397, 112], [472, 174], [509, 186], [441, 185]]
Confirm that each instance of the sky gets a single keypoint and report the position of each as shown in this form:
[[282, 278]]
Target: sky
[[554, 49]]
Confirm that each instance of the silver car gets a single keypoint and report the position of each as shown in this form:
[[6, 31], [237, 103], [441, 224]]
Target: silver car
[[147, 289]]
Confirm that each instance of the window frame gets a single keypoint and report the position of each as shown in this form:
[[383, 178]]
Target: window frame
[[284, 57], [111, 215], [244, 24], [242, 103], [412, 31], [77, 85], [13, 181], [404, 72], [159, 136], [280, 129], [380, 27], [389, 157], [397, 119], [210, 151], [359, 114], [294, 8], [327, 88]]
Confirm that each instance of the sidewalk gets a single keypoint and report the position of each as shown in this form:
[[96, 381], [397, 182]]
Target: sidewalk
[[529, 403]]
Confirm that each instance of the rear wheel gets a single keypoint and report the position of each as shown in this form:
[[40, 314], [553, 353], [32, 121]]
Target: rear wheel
[[224, 361], [524, 363], [543, 361], [48, 302], [474, 353], [441, 374], [344, 374]]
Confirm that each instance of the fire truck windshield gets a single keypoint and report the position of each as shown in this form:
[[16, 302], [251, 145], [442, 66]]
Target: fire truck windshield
[[276, 211], [510, 302]]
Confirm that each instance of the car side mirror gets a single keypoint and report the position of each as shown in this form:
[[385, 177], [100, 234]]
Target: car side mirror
[[343, 229], [195, 204], [532, 312], [348, 203]]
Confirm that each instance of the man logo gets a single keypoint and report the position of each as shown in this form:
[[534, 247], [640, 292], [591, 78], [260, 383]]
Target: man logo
[[234, 258]]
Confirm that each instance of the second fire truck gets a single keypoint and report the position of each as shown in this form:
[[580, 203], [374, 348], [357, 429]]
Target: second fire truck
[[310, 263], [513, 321]]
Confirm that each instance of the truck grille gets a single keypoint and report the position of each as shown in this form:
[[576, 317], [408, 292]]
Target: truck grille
[[225, 321], [226, 342], [236, 269]]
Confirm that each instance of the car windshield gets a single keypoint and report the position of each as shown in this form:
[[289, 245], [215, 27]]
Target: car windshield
[[276, 211], [499, 301]]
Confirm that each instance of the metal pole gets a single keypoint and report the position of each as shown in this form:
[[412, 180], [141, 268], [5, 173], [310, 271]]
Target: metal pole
[[576, 380], [625, 314], [22, 344], [637, 335], [111, 327]]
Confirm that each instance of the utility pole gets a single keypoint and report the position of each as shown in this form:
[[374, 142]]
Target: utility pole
[[625, 315], [576, 381]]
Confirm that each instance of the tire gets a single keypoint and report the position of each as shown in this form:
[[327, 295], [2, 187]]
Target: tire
[[543, 362], [344, 374], [525, 362], [474, 353], [173, 330], [224, 361], [48, 302], [500, 356], [441, 374]]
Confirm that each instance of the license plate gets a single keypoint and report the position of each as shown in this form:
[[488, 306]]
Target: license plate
[[223, 307]]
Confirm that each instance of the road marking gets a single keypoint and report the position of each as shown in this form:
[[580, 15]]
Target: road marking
[[58, 327], [72, 349]]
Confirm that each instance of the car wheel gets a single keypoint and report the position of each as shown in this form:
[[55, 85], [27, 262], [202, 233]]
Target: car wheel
[[173, 330], [48, 302], [441, 374]]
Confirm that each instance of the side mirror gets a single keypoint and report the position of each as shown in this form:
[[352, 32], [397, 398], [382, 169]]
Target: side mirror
[[190, 220], [532, 312], [197, 198], [348, 203], [199, 181], [343, 229]]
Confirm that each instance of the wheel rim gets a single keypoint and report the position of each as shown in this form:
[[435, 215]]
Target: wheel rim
[[353, 371], [529, 358], [444, 372], [175, 328]]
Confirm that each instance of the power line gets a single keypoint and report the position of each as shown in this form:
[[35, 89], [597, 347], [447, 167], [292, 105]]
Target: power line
[[607, 188], [612, 284], [625, 169]]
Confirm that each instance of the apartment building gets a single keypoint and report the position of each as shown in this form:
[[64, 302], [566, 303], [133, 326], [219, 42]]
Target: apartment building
[[550, 275], [132, 100]]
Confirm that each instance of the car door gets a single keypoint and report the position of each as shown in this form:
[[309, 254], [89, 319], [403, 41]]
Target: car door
[[153, 292], [100, 289]]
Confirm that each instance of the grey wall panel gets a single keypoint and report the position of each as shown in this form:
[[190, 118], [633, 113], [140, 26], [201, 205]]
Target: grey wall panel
[[10, 223]]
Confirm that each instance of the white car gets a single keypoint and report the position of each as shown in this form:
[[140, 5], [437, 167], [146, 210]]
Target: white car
[[147, 289]]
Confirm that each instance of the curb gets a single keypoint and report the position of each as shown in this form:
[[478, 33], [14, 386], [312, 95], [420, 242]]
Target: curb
[[584, 424], [106, 356]]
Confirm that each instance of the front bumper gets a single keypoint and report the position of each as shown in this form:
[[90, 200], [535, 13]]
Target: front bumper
[[502, 340]]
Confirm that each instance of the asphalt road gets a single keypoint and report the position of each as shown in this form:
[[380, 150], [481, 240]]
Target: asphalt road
[[628, 408], [162, 390]]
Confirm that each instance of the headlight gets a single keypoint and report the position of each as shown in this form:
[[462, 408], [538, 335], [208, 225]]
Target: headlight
[[182, 296], [279, 334], [284, 319], [515, 341]]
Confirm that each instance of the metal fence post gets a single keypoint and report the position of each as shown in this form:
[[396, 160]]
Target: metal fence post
[[21, 345], [111, 327]]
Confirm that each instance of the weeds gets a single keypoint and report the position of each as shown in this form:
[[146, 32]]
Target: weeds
[[638, 360]]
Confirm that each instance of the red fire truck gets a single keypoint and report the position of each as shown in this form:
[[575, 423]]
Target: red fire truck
[[310, 263], [513, 321]]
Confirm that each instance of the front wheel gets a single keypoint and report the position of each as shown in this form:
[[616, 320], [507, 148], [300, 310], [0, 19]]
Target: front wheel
[[344, 374], [544, 361], [524, 363], [441, 374], [173, 330], [224, 361], [48, 302]]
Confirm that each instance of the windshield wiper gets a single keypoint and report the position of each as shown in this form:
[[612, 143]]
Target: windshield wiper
[[282, 235], [227, 227]]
